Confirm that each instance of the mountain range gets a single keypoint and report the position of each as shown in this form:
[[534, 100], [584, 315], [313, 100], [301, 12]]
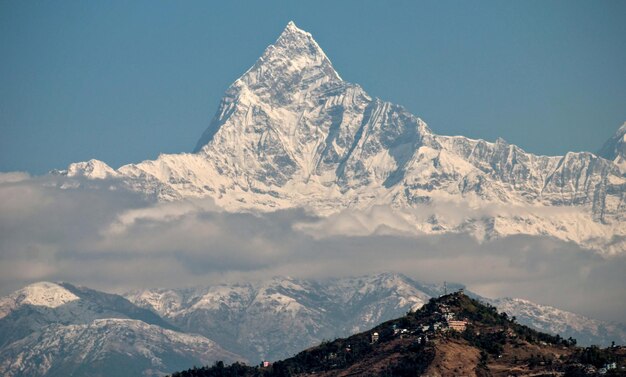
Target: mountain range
[[452, 335], [273, 318], [292, 133], [58, 329]]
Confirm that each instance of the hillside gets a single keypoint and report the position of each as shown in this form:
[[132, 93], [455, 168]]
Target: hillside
[[449, 336]]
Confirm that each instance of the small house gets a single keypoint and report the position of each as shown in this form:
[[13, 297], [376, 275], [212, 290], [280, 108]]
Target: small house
[[374, 337], [457, 325]]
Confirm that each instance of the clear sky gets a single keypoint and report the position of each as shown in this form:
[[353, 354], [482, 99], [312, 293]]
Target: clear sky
[[124, 81]]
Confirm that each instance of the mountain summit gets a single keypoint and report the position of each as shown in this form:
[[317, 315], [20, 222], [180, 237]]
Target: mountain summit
[[292, 66], [291, 133]]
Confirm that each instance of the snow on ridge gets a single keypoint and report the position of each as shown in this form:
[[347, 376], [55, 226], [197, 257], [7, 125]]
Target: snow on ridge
[[93, 168], [292, 28], [554, 320], [69, 346], [45, 294]]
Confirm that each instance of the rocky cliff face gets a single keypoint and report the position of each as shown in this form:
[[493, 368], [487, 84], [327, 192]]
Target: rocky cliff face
[[615, 149], [291, 133]]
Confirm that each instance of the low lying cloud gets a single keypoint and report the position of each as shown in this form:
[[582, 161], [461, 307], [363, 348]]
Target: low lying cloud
[[13, 177], [111, 239]]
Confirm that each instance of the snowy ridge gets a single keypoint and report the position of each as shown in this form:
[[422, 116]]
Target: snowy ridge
[[265, 319], [44, 294], [555, 321], [93, 168], [40, 304], [114, 345], [255, 319], [277, 317], [291, 133], [50, 329]]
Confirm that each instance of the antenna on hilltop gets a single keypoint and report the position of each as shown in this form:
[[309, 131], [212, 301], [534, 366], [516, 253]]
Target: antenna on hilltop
[[445, 288]]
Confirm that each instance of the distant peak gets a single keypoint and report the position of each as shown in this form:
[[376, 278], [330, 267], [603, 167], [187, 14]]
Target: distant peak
[[45, 294], [292, 28], [294, 54], [300, 42]]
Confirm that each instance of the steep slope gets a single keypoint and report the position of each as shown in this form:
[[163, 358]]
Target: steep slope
[[452, 335], [54, 329], [291, 133], [615, 149], [305, 312]]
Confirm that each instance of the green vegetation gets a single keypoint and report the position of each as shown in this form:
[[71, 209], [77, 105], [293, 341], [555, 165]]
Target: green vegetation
[[595, 356], [219, 370], [491, 343]]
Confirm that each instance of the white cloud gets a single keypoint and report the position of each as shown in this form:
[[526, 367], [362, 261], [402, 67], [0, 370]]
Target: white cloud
[[12, 177], [114, 240]]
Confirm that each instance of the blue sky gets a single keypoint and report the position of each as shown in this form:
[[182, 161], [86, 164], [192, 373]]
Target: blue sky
[[124, 81]]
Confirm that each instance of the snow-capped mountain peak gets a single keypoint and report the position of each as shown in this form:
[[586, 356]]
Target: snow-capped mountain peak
[[285, 75], [58, 328], [290, 133], [92, 168], [44, 294], [294, 52]]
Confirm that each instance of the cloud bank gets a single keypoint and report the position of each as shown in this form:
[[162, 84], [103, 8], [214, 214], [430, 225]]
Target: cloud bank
[[95, 234]]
